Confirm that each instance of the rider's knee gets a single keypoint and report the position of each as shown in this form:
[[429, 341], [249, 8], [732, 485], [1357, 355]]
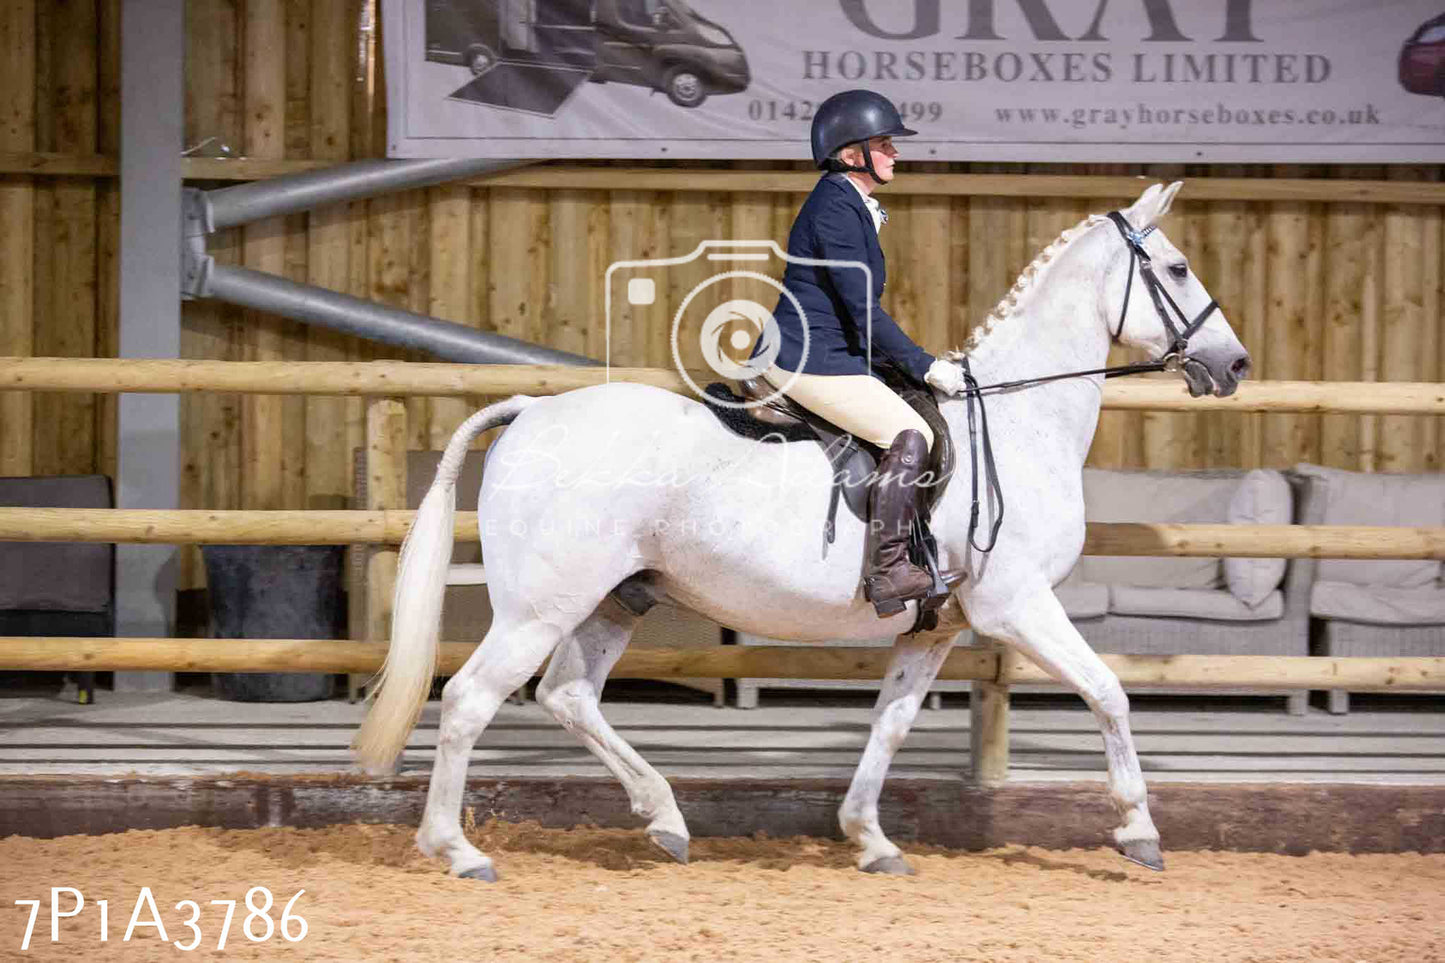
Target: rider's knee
[[923, 429]]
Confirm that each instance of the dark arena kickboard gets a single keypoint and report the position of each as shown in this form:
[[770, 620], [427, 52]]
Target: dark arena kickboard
[[534, 88]]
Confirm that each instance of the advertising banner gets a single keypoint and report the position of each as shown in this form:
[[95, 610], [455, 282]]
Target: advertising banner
[[1009, 80]]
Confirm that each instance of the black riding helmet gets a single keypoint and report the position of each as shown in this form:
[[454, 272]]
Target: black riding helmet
[[852, 117]]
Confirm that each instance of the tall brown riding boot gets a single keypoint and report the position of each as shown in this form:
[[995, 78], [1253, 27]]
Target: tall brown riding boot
[[891, 579]]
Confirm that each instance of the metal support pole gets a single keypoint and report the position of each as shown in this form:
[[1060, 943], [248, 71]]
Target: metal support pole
[[152, 46], [378, 322], [245, 203]]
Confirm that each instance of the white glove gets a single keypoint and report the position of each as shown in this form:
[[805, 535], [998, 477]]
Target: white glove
[[946, 376]]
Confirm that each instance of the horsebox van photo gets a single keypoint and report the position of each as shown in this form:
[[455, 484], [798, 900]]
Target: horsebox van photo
[[555, 45]]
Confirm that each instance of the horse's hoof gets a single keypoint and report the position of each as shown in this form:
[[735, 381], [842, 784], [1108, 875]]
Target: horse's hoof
[[671, 843], [1145, 852], [891, 866], [485, 872]]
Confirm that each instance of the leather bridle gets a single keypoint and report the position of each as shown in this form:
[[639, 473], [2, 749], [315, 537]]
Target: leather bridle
[[1178, 336], [1173, 358]]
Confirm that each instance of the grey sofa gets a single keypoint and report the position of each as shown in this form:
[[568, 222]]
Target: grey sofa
[[1177, 606], [58, 588], [1373, 608]]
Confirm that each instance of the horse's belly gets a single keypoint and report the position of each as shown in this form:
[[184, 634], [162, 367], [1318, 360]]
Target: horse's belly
[[775, 594]]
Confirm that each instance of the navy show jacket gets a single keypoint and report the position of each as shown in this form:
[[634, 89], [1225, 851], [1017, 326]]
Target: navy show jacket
[[834, 223]]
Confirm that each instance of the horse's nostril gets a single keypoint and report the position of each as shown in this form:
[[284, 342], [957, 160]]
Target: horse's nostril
[[1240, 368]]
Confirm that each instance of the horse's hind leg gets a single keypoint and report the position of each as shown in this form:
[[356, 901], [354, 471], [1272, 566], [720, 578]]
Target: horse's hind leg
[[912, 667], [507, 658], [1035, 624], [571, 690]]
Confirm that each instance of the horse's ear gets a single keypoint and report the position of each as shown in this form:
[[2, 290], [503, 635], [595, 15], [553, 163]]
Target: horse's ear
[[1152, 205], [1166, 199], [1141, 213]]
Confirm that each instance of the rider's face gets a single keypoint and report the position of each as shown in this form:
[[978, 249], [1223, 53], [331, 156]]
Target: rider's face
[[884, 154]]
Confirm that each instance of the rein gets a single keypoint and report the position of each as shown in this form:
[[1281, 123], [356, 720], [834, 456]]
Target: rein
[[1172, 360]]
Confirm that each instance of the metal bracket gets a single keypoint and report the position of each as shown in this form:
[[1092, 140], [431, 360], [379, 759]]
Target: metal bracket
[[195, 262]]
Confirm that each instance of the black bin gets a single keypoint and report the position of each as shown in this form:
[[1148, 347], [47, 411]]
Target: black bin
[[275, 592]]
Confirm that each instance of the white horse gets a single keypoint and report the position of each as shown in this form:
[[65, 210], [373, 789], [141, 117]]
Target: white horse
[[590, 487]]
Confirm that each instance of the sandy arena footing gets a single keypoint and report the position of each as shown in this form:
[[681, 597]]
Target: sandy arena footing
[[606, 894]]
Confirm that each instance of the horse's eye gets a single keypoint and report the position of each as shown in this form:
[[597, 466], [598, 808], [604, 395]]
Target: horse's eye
[[1179, 269]]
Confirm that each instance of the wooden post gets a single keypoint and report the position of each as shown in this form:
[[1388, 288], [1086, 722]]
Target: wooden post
[[988, 727], [385, 488]]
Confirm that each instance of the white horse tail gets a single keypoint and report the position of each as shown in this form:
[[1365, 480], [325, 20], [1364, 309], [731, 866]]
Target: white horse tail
[[400, 688]]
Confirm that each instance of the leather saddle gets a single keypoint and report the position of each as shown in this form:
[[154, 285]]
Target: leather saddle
[[779, 419]]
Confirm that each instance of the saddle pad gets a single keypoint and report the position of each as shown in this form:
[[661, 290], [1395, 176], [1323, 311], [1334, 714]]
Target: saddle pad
[[740, 422]]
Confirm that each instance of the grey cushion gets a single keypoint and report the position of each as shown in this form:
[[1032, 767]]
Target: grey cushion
[[56, 576], [1141, 496], [1083, 600], [1359, 498], [1262, 498], [1215, 604], [1379, 604]]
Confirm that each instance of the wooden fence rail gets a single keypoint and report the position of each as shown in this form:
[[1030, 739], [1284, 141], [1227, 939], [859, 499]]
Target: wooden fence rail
[[410, 378], [774, 662], [389, 527]]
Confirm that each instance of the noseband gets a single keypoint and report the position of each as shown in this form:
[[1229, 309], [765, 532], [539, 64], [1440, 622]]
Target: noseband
[[1178, 337]]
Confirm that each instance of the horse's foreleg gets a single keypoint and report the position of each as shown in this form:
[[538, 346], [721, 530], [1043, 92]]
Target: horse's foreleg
[[914, 663], [507, 658], [1037, 626], [571, 691]]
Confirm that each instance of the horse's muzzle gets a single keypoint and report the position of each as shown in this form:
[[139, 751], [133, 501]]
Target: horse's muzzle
[[1215, 372]]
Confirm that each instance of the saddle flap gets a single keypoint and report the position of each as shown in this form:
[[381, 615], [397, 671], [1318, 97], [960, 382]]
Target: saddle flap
[[769, 406], [853, 466]]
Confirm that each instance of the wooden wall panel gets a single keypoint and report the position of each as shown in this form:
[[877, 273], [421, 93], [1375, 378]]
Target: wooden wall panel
[[263, 135], [1288, 347], [1406, 349], [451, 256], [329, 422], [107, 285], [42, 280], [17, 226]]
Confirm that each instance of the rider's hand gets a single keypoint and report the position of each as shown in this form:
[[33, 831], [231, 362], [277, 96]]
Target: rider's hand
[[946, 376]]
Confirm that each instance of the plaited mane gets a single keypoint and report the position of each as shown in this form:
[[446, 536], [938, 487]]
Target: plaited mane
[[1030, 277]]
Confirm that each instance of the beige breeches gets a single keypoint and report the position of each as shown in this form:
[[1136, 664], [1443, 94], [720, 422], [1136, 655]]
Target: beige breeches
[[861, 405]]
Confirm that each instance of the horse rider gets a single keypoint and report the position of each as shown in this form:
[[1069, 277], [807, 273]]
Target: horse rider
[[852, 135]]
